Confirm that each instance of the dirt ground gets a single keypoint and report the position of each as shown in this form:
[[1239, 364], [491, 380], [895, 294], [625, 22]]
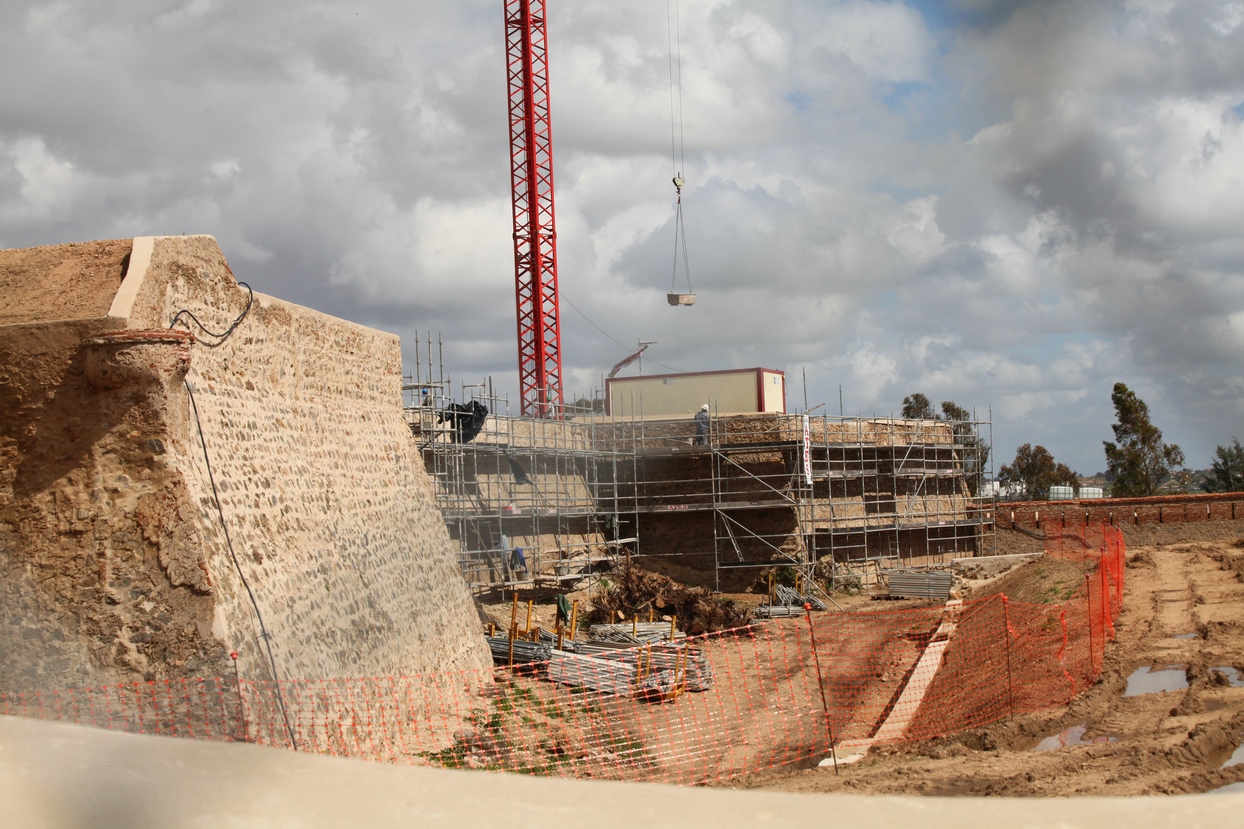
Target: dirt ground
[[544, 611], [1183, 608], [61, 282]]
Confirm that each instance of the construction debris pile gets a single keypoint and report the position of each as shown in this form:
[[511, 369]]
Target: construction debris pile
[[646, 660], [640, 659], [636, 632], [507, 651], [688, 663], [611, 676], [787, 601], [636, 592]]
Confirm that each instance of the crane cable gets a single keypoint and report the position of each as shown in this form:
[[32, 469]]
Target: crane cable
[[675, 59], [678, 155]]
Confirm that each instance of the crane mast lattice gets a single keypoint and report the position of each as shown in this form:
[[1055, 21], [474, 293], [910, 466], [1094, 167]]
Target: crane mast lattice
[[535, 235]]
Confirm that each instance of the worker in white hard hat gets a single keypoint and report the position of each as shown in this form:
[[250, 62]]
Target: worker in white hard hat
[[701, 426]]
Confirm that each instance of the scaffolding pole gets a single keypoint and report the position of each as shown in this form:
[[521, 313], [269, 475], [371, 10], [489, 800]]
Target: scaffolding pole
[[860, 496]]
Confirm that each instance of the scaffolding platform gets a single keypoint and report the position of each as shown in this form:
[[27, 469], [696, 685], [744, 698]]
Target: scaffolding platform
[[587, 488]]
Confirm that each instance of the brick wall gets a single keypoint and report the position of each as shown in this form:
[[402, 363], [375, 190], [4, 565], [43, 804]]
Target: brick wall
[[1122, 512]]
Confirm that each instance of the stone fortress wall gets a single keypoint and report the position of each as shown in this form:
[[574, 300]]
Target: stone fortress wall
[[114, 565]]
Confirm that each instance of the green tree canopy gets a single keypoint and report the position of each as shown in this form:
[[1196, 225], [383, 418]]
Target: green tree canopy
[[584, 406], [951, 411], [1137, 461], [1034, 471], [1227, 471], [975, 448], [917, 407]]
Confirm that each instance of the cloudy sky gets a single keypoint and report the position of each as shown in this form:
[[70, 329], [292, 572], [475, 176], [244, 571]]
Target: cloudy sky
[[1011, 205]]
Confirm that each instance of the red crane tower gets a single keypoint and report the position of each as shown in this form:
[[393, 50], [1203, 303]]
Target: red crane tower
[[535, 237]]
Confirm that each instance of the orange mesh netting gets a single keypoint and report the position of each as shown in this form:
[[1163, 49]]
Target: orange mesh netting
[[768, 699]]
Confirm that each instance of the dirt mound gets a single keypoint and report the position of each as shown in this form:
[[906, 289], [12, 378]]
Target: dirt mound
[[1183, 608], [1046, 580], [639, 592], [1230, 562], [1156, 535], [61, 282]]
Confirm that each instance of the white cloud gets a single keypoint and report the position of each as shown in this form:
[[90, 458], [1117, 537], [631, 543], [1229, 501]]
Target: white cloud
[[48, 184], [1018, 209], [886, 41], [1229, 19]]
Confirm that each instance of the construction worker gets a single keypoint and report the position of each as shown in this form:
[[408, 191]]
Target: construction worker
[[701, 426], [505, 557]]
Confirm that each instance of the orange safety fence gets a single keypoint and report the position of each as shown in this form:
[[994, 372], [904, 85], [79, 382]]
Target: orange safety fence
[[771, 698]]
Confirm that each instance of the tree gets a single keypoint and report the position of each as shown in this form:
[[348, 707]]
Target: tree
[[1227, 471], [1034, 471], [1138, 460], [952, 411], [917, 407], [975, 449], [584, 406]]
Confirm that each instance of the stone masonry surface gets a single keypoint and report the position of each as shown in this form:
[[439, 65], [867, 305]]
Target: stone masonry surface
[[113, 562]]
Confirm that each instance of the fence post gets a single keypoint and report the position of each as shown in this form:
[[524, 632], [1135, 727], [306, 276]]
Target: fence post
[[1120, 554], [1088, 607], [1006, 637], [1107, 608], [237, 683], [829, 726]]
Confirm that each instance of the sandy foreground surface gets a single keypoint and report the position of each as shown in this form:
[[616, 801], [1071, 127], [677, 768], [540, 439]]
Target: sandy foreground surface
[[54, 775], [1184, 611]]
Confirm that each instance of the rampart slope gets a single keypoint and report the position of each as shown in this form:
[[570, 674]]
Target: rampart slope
[[114, 564]]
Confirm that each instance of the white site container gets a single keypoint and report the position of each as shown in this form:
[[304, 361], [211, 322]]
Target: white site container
[[734, 391], [1062, 493]]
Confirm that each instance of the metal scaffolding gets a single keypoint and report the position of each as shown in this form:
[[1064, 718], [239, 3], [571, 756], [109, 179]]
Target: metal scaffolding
[[857, 496], [838, 499], [527, 500]]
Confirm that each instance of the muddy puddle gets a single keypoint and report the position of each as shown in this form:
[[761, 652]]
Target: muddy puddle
[[1073, 736], [1145, 681], [1233, 676]]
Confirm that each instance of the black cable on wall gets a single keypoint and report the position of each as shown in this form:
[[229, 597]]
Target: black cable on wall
[[220, 338]]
